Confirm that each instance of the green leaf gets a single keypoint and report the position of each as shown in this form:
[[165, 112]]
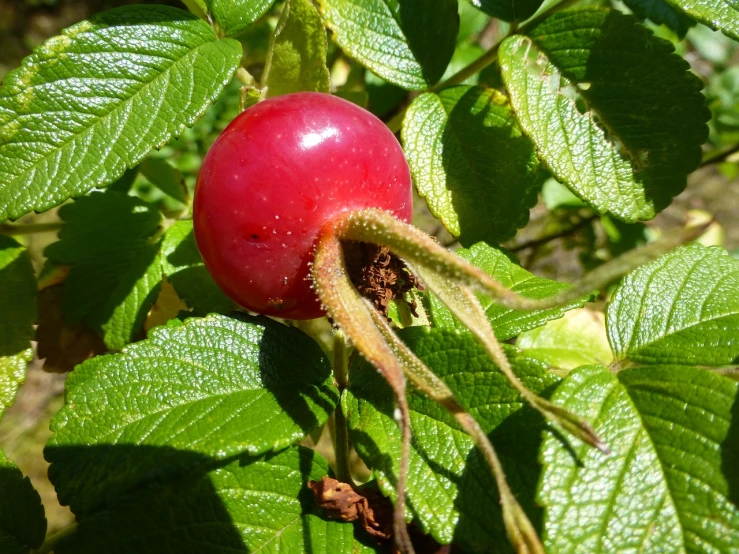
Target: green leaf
[[509, 10], [471, 22], [596, 502], [22, 521], [682, 308], [298, 53], [197, 7], [384, 97], [578, 338], [660, 12], [213, 387], [92, 102], [720, 15], [234, 16], [166, 178], [406, 42], [451, 492], [248, 505], [109, 241], [692, 420], [471, 163], [661, 489], [17, 316], [613, 111], [184, 268], [506, 323]]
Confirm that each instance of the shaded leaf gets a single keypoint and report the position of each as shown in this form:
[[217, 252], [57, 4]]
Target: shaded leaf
[[298, 55], [660, 12], [682, 308], [248, 505], [450, 491], [471, 163], [508, 10], [92, 102], [17, 316], [506, 323], [184, 268], [214, 387], [613, 111], [166, 178], [109, 241], [22, 521], [408, 43]]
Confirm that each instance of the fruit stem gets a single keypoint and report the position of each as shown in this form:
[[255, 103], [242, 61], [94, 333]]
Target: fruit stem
[[341, 432], [245, 78]]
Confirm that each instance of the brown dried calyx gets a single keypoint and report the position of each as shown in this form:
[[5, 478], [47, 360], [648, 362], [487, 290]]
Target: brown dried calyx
[[379, 275], [341, 501], [373, 511]]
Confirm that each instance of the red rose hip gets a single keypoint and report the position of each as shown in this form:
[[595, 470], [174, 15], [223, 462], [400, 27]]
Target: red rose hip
[[275, 176]]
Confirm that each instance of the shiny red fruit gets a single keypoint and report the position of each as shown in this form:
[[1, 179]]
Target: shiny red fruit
[[276, 175]]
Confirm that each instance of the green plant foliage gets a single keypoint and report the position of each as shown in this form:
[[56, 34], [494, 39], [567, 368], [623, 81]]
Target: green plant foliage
[[93, 101], [22, 521], [234, 16], [213, 387], [471, 163], [508, 10], [451, 492], [298, 54], [658, 490], [688, 306], [471, 21], [183, 266], [720, 15], [17, 315], [408, 43], [506, 323], [248, 505], [383, 97], [660, 12], [578, 338], [166, 178], [700, 462], [612, 110], [109, 240]]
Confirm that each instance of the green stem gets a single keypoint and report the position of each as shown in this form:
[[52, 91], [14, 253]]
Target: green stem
[[397, 120], [52, 540], [341, 433], [245, 78], [491, 55], [10, 229], [720, 156], [554, 236], [488, 57]]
